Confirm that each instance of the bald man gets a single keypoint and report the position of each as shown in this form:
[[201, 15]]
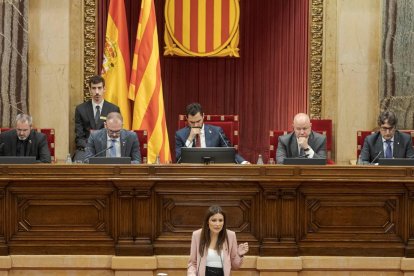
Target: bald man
[[302, 142]]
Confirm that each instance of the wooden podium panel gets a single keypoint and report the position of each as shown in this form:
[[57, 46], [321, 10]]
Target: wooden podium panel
[[152, 209]]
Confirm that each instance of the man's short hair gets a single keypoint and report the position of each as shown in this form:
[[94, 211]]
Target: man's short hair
[[116, 116], [387, 117], [96, 79], [193, 108], [23, 118]]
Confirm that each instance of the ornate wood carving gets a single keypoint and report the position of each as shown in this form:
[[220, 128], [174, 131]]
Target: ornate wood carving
[[89, 43], [316, 49]]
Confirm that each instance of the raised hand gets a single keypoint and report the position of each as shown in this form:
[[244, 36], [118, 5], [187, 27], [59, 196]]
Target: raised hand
[[243, 249]]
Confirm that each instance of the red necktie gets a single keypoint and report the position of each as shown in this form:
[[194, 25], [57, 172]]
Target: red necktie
[[197, 141]]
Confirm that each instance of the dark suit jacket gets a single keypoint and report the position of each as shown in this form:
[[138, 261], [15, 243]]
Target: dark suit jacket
[[214, 136], [36, 146], [85, 120], [373, 147], [97, 142], [288, 146]]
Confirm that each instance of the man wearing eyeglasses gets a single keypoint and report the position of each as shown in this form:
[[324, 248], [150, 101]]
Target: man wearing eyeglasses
[[388, 142], [302, 142], [114, 141]]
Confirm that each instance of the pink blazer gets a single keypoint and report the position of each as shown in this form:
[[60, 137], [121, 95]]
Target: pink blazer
[[197, 264]]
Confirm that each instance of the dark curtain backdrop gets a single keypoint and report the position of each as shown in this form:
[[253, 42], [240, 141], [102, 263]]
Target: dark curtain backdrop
[[266, 86]]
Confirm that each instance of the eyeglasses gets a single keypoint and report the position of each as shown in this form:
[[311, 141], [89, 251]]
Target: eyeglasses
[[114, 132], [387, 128]]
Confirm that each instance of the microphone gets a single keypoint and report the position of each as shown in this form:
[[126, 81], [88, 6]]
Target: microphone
[[96, 154], [376, 157], [221, 137]]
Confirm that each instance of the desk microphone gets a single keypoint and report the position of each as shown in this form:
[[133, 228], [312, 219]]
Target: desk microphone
[[221, 137], [376, 157], [98, 153]]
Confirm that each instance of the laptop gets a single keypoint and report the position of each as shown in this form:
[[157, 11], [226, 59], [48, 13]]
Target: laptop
[[396, 161], [17, 159], [210, 155], [110, 160], [304, 161]]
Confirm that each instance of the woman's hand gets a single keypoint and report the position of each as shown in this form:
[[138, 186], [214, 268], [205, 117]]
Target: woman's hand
[[243, 249]]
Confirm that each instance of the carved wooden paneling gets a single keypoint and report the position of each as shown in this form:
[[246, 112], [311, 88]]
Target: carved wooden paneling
[[152, 209]]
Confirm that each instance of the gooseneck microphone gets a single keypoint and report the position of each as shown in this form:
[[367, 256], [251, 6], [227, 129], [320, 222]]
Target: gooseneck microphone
[[98, 153], [376, 157], [221, 137]]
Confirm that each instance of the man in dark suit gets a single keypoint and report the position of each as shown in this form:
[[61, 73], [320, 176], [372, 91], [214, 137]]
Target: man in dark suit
[[91, 115], [302, 142], [24, 141], [118, 141], [388, 142], [198, 134]]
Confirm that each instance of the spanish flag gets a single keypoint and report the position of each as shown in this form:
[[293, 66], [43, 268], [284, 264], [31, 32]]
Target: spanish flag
[[145, 87], [116, 61]]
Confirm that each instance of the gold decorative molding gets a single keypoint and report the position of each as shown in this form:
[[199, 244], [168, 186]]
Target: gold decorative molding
[[89, 43], [316, 50]]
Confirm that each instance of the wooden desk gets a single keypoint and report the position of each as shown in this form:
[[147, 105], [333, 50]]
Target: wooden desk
[[152, 209]]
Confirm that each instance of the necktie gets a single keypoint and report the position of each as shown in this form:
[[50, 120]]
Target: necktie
[[112, 151], [97, 114], [388, 150], [197, 141]]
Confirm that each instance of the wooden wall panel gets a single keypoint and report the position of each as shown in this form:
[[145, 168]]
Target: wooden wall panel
[[152, 209]]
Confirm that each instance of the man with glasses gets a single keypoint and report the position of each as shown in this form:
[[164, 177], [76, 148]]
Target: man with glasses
[[302, 142], [388, 142], [114, 141], [24, 141]]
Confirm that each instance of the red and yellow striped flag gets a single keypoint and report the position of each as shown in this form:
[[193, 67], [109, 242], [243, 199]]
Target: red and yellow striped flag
[[116, 64], [146, 88]]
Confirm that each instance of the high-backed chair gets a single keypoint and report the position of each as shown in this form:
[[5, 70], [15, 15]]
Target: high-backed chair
[[362, 134], [143, 144], [321, 126], [229, 124], [50, 136]]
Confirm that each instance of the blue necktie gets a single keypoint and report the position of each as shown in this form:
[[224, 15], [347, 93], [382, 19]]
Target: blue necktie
[[388, 150], [112, 151]]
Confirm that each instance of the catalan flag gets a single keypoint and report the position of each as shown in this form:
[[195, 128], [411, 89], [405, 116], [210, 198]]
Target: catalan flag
[[116, 61], [145, 87]]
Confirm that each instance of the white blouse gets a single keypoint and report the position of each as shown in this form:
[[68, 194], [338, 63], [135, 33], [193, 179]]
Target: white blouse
[[213, 258]]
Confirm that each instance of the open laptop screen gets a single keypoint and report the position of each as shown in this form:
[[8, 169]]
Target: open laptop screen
[[304, 161], [17, 159], [396, 161], [211, 155]]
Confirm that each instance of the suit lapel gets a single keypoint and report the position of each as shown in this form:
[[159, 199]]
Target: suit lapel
[[90, 114], [14, 143], [397, 141], [379, 147], [30, 142], [122, 139], [294, 146]]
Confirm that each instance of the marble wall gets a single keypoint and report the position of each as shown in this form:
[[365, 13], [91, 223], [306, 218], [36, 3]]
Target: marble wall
[[397, 61], [55, 67], [351, 70]]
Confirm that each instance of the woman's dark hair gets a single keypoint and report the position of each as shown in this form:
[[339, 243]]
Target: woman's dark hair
[[205, 232], [389, 117]]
